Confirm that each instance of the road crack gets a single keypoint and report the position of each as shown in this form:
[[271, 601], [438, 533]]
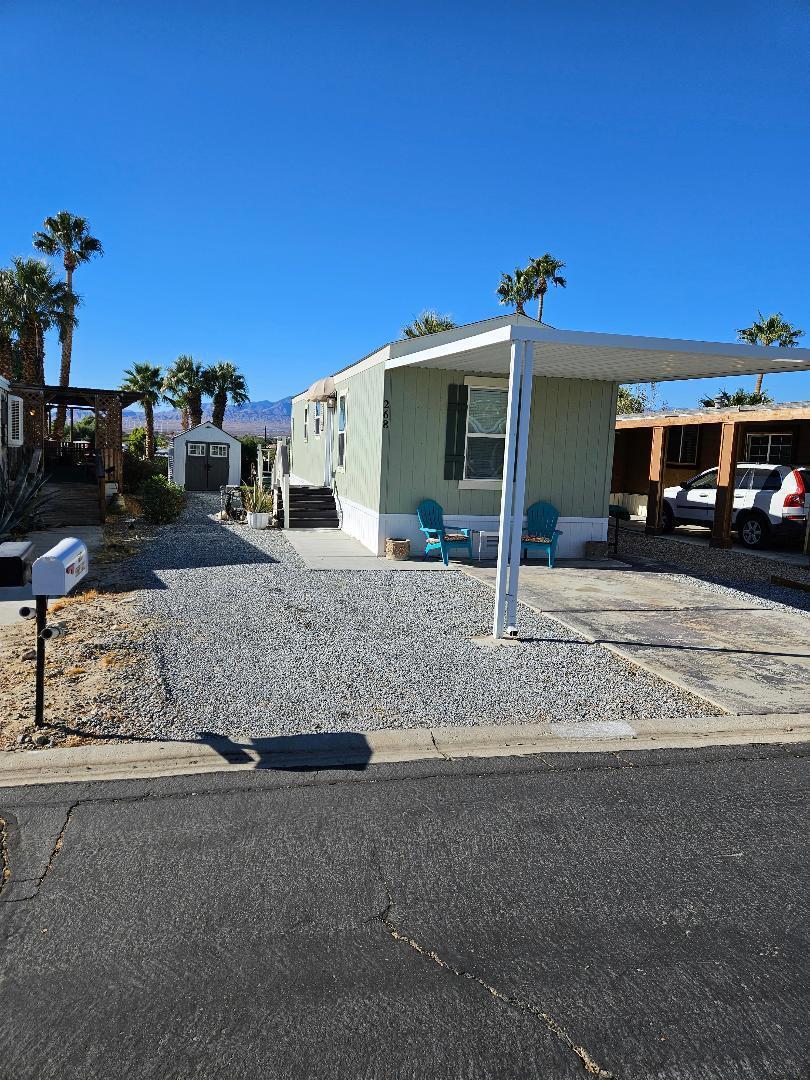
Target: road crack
[[510, 1001], [5, 861], [57, 847]]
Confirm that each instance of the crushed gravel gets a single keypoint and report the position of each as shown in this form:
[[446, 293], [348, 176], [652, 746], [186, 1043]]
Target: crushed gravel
[[721, 571], [248, 641]]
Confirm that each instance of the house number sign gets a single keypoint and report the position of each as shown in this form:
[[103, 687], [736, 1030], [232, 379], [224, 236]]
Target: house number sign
[[386, 412]]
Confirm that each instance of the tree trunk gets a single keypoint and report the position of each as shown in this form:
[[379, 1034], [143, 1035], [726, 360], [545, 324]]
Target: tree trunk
[[218, 414], [540, 305], [149, 420], [29, 353], [195, 409], [67, 351], [185, 423], [758, 387], [6, 359]]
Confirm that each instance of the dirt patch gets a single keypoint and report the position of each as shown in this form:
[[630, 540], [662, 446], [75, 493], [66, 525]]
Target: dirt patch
[[88, 671]]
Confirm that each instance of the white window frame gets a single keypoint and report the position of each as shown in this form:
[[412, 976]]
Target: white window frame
[[192, 448], [306, 423], [215, 447], [769, 435], [477, 382], [342, 397], [16, 421], [317, 420]]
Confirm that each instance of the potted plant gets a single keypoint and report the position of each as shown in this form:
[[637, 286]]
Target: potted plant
[[259, 505]]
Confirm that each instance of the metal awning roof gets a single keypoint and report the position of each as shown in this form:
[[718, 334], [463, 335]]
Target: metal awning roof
[[80, 397], [484, 348]]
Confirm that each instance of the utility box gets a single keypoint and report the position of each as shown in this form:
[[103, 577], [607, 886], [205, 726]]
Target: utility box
[[59, 570], [15, 564]]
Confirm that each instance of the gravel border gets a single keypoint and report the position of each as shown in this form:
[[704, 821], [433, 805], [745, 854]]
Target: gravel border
[[247, 641]]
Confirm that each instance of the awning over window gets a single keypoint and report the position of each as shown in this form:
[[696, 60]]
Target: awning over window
[[322, 390]]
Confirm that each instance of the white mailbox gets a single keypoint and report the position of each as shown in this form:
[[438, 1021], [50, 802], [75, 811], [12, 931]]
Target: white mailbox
[[57, 571]]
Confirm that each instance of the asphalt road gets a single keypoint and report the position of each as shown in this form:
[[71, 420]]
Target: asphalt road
[[638, 914]]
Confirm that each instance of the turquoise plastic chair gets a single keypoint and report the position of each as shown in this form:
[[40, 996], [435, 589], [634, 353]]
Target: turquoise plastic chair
[[438, 537], [541, 530]]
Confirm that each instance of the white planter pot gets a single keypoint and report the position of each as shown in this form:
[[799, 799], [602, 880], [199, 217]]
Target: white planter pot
[[258, 521]]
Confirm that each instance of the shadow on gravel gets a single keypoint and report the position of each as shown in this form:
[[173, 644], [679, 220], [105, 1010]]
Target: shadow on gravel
[[198, 551]]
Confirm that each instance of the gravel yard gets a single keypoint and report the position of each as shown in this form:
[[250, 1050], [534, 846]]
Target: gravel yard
[[248, 641], [725, 572]]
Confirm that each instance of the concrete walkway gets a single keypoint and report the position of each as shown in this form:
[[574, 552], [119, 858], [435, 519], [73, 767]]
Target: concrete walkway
[[333, 549], [742, 655]]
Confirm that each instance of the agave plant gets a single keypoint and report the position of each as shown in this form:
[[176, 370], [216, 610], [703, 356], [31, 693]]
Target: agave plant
[[256, 499], [20, 499]]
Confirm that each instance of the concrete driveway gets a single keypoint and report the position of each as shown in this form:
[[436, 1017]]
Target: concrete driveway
[[732, 649]]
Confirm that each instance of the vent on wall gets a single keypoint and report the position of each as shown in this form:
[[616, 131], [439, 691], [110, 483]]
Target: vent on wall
[[15, 421]]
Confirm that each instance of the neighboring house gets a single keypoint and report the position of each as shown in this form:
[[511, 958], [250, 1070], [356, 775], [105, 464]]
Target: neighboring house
[[11, 424], [689, 441], [428, 418], [205, 458]]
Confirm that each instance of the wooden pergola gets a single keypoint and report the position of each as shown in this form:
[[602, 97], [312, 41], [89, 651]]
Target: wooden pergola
[[732, 421]]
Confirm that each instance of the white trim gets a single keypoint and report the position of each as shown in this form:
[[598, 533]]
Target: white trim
[[343, 395], [484, 382], [480, 485], [361, 522]]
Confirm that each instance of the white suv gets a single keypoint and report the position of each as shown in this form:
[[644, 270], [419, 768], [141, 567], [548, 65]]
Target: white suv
[[767, 499]]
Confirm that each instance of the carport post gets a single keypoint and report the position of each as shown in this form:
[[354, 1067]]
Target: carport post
[[519, 497], [510, 452], [655, 491], [724, 503]]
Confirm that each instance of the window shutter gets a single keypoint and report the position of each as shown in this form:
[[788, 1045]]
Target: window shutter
[[15, 421], [456, 431]]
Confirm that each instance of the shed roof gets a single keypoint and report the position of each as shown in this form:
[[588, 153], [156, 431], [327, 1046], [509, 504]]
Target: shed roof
[[208, 425]]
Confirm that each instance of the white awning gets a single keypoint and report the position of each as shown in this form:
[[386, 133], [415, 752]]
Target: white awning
[[322, 389], [485, 348]]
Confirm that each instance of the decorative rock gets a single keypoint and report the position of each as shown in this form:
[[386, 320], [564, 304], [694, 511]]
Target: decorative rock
[[29, 654]]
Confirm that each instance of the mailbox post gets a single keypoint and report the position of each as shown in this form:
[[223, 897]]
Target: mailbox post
[[53, 574]]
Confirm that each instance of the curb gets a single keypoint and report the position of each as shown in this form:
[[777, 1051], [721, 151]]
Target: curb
[[146, 760]]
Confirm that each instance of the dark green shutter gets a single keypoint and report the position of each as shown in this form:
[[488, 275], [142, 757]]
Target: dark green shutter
[[456, 431]]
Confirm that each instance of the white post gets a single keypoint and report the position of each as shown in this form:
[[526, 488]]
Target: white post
[[510, 452], [327, 450], [519, 497]]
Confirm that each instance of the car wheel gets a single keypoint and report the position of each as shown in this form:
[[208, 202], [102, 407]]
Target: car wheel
[[667, 518], [753, 530]]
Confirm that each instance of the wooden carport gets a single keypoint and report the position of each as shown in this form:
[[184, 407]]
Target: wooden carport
[[726, 430]]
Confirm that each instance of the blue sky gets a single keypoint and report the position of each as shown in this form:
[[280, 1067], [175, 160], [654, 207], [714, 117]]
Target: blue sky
[[286, 185]]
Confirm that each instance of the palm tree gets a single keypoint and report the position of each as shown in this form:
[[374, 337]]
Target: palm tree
[[146, 380], [222, 381], [545, 271], [184, 386], [69, 236], [725, 400], [517, 291], [429, 322], [9, 324], [39, 303], [772, 330]]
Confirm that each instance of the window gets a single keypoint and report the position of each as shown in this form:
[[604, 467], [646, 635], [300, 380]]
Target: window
[[766, 480], [196, 449], [707, 480], [306, 423], [341, 432], [486, 433], [769, 447], [218, 449], [15, 421], [316, 423], [682, 444]]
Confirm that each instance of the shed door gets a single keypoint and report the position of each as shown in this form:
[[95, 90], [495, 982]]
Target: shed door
[[217, 465], [206, 466]]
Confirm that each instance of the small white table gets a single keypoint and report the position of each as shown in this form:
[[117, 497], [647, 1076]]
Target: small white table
[[484, 539]]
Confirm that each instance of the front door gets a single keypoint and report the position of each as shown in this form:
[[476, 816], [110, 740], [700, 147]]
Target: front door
[[206, 465]]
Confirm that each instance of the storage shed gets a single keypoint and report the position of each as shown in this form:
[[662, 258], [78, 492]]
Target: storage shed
[[205, 458]]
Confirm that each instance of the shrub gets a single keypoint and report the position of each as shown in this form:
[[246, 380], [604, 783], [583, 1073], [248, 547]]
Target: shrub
[[161, 500], [137, 442], [137, 469]]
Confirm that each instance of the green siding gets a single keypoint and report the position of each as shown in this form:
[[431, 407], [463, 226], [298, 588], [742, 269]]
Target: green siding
[[360, 480], [570, 446]]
